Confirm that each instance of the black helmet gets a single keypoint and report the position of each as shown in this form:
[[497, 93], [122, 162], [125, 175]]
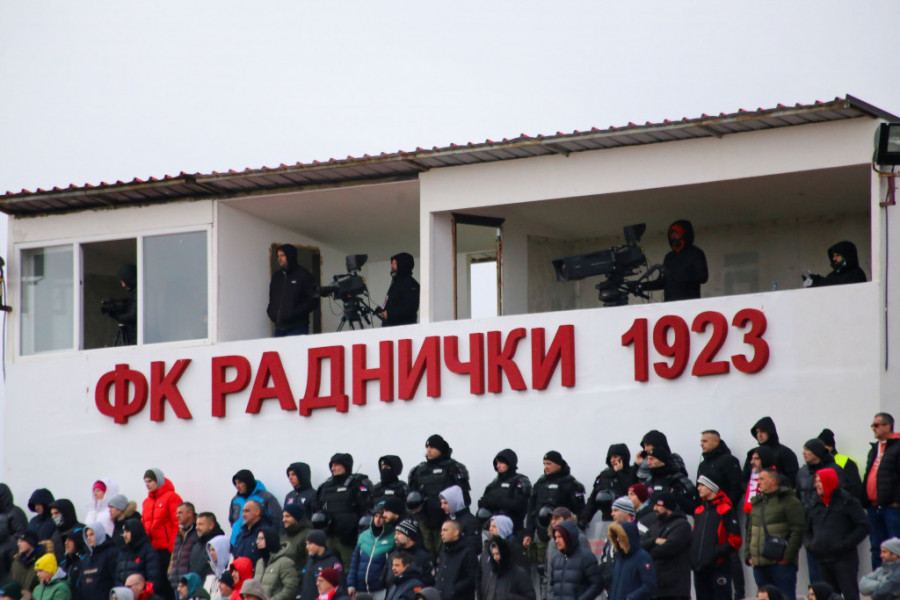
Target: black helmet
[[604, 497], [320, 520], [483, 515], [544, 516], [414, 501], [365, 522]]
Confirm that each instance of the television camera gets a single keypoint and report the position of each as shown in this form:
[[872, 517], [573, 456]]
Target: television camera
[[617, 264], [351, 290]]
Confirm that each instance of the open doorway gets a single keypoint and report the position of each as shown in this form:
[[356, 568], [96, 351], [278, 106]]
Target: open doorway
[[310, 259], [477, 251]]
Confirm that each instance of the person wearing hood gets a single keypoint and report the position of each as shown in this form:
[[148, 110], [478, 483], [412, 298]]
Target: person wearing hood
[[665, 477], [406, 578], [668, 541], [121, 593], [138, 556], [884, 582], [98, 567], [844, 267], [98, 506], [575, 573], [716, 538], [882, 481], [302, 491], [190, 587], [344, 497], [836, 524], [785, 461], [207, 527], [42, 522], [612, 482], [457, 566], [218, 551], [390, 468], [656, 439], [22, 570], [776, 513], [160, 520], [769, 592], [684, 268], [453, 504], [63, 513], [275, 569], [12, 523], [500, 526], [823, 591], [292, 295], [634, 576], [75, 551], [510, 580], [371, 556], [428, 479], [509, 492], [557, 516], [120, 510], [852, 481], [401, 305], [241, 572], [250, 488], [815, 457], [556, 487], [53, 584], [321, 557], [185, 541]]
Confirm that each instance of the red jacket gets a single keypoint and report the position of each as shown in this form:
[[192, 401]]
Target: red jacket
[[158, 516]]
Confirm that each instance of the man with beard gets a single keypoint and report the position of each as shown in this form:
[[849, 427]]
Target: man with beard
[[844, 267], [292, 295], [668, 541], [401, 305]]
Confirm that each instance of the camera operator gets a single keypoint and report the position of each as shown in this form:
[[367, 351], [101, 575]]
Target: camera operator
[[684, 268], [292, 295], [401, 305], [124, 310]]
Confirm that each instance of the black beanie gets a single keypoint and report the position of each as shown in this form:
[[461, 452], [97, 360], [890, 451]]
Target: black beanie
[[556, 458], [817, 447], [395, 504], [345, 460], [662, 454], [827, 436], [438, 443]]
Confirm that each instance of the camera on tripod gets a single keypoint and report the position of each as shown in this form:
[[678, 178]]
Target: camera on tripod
[[351, 290], [113, 307], [615, 264]]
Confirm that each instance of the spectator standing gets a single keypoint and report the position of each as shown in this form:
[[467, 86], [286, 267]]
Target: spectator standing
[[785, 461], [634, 576], [715, 539], [882, 483]]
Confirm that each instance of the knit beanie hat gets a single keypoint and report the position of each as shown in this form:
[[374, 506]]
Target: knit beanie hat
[[892, 544], [296, 510], [331, 576], [119, 501], [817, 447], [706, 481], [624, 504], [556, 458], [640, 490], [827, 436], [317, 537], [395, 504], [409, 528], [12, 590], [438, 443], [47, 562]]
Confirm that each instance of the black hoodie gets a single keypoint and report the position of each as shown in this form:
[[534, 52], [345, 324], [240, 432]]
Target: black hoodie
[[41, 524], [720, 465], [508, 580], [785, 459], [390, 467], [612, 483], [69, 522], [402, 301], [304, 492], [508, 493], [292, 294], [138, 556], [684, 268], [848, 271]]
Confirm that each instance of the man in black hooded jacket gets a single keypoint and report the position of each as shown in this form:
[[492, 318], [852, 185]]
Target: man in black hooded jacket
[[720, 465], [509, 492], [844, 267], [785, 460], [684, 269], [302, 491], [390, 467], [292, 295], [401, 305], [612, 482], [556, 487]]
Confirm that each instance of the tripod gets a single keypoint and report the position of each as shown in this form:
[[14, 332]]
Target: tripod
[[355, 312]]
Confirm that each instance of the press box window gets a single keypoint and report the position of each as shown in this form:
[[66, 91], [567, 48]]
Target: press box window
[[175, 287], [48, 299]]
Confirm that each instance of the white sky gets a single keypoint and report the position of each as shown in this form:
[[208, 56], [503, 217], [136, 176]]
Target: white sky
[[96, 91]]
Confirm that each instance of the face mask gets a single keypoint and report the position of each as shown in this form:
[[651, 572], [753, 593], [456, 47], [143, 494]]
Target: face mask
[[58, 520]]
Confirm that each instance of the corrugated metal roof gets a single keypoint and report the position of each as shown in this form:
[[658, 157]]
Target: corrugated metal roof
[[403, 165]]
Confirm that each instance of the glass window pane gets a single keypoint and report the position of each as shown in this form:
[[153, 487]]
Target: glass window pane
[[175, 287], [48, 306], [109, 309]]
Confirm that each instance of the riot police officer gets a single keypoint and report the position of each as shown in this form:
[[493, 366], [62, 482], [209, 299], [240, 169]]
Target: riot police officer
[[344, 498], [555, 488], [509, 492], [389, 467]]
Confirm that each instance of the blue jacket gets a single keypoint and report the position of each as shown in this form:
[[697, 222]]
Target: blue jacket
[[634, 577], [271, 510], [370, 559]]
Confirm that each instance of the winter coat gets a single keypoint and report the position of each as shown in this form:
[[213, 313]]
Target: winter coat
[[720, 465], [510, 581], [304, 494], [159, 514], [609, 485], [280, 577], [402, 300], [291, 293], [69, 523], [22, 570], [271, 514], [295, 538], [806, 480], [138, 556], [785, 518], [634, 576], [837, 528], [667, 478], [847, 272], [390, 467], [314, 565], [41, 524], [554, 490], [785, 461], [406, 585], [575, 574], [883, 583], [198, 559], [509, 492], [456, 571], [98, 510], [245, 545], [244, 569], [420, 558], [185, 540], [430, 478], [683, 270], [716, 534], [12, 523], [887, 479], [673, 565], [369, 560], [98, 568], [55, 589], [459, 512]]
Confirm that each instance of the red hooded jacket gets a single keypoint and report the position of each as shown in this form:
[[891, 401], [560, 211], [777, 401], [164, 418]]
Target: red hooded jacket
[[158, 516]]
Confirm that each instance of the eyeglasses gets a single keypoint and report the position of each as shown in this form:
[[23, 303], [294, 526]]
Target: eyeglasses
[[874, 425]]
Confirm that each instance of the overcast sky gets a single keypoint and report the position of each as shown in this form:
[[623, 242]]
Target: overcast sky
[[104, 90]]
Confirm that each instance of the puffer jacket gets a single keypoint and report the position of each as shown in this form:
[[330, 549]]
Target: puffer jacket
[[785, 518], [634, 576], [12, 522], [55, 589], [271, 508], [138, 556], [158, 514], [887, 480], [370, 559], [575, 573], [41, 524], [98, 567], [836, 523], [717, 533]]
